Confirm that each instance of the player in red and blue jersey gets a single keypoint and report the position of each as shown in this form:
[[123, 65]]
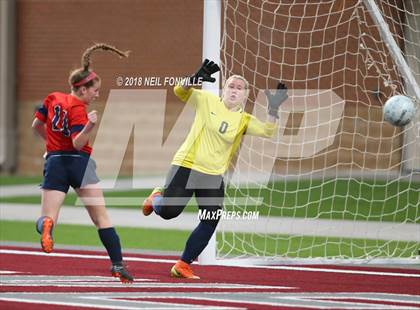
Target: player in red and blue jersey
[[66, 126], [56, 112]]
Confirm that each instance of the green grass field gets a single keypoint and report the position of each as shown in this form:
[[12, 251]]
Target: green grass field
[[19, 180], [174, 240], [135, 238], [396, 201]]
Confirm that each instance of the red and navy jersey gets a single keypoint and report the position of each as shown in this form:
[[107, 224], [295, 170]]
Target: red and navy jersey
[[64, 116]]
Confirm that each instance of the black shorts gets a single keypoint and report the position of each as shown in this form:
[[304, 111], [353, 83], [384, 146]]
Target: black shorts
[[65, 169]]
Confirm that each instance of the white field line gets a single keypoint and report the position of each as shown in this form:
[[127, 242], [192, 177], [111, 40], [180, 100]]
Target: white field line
[[171, 261]]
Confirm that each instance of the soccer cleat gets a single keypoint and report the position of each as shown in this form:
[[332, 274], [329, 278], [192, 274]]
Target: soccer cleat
[[120, 271], [47, 242], [183, 270], [148, 202]]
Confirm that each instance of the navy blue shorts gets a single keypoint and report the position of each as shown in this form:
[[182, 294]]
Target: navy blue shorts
[[65, 169]]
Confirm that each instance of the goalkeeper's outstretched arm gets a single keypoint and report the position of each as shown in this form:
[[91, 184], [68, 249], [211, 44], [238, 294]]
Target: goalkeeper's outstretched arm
[[274, 101], [203, 74]]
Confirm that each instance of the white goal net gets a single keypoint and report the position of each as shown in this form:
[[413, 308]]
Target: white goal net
[[336, 181]]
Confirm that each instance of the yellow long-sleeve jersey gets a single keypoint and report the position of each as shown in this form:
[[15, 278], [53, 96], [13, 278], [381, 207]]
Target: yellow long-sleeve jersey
[[216, 132]]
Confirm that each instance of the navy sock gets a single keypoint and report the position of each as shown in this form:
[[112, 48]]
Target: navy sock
[[197, 241], [111, 242]]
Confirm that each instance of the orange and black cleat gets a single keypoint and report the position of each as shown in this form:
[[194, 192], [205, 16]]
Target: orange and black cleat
[[120, 271], [47, 242], [183, 270], [148, 202]]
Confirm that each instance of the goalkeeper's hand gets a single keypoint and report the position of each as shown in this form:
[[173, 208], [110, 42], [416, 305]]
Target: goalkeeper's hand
[[204, 73], [274, 101]]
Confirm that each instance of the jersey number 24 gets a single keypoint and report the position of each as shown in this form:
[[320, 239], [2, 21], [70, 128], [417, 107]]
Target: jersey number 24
[[60, 121]]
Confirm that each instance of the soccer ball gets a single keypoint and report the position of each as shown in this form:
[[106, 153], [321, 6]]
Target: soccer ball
[[399, 110]]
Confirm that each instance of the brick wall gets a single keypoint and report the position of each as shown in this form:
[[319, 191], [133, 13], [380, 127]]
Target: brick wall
[[165, 39]]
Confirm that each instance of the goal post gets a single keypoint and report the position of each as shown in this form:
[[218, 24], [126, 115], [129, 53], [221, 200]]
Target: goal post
[[211, 50], [413, 51], [339, 187], [392, 46]]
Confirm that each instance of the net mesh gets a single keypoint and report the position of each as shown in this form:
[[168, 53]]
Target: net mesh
[[336, 181]]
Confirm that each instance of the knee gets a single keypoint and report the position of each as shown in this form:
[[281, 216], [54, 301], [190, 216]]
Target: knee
[[171, 212], [167, 215]]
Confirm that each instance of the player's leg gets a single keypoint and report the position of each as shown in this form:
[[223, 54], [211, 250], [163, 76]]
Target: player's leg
[[51, 201], [169, 202], [93, 199], [210, 201], [54, 189], [153, 201]]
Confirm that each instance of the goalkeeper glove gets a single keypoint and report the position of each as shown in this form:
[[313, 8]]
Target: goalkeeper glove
[[274, 101], [204, 73]]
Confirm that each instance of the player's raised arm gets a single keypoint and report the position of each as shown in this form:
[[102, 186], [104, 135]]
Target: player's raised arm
[[203, 74], [274, 101]]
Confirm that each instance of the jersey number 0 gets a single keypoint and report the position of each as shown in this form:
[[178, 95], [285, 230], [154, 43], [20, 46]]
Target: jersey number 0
[[223, 127]]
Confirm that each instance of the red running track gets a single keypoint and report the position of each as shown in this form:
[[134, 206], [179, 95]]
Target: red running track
[[31, 279]]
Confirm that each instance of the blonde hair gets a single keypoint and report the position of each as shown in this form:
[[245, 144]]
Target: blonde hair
[[238, 77]]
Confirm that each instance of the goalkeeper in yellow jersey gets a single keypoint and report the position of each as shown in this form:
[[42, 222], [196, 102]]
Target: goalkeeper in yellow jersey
[[199, 164]]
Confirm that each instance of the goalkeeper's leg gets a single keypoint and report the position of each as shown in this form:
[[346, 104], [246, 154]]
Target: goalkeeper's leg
[[169, 202], [201, 235]]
